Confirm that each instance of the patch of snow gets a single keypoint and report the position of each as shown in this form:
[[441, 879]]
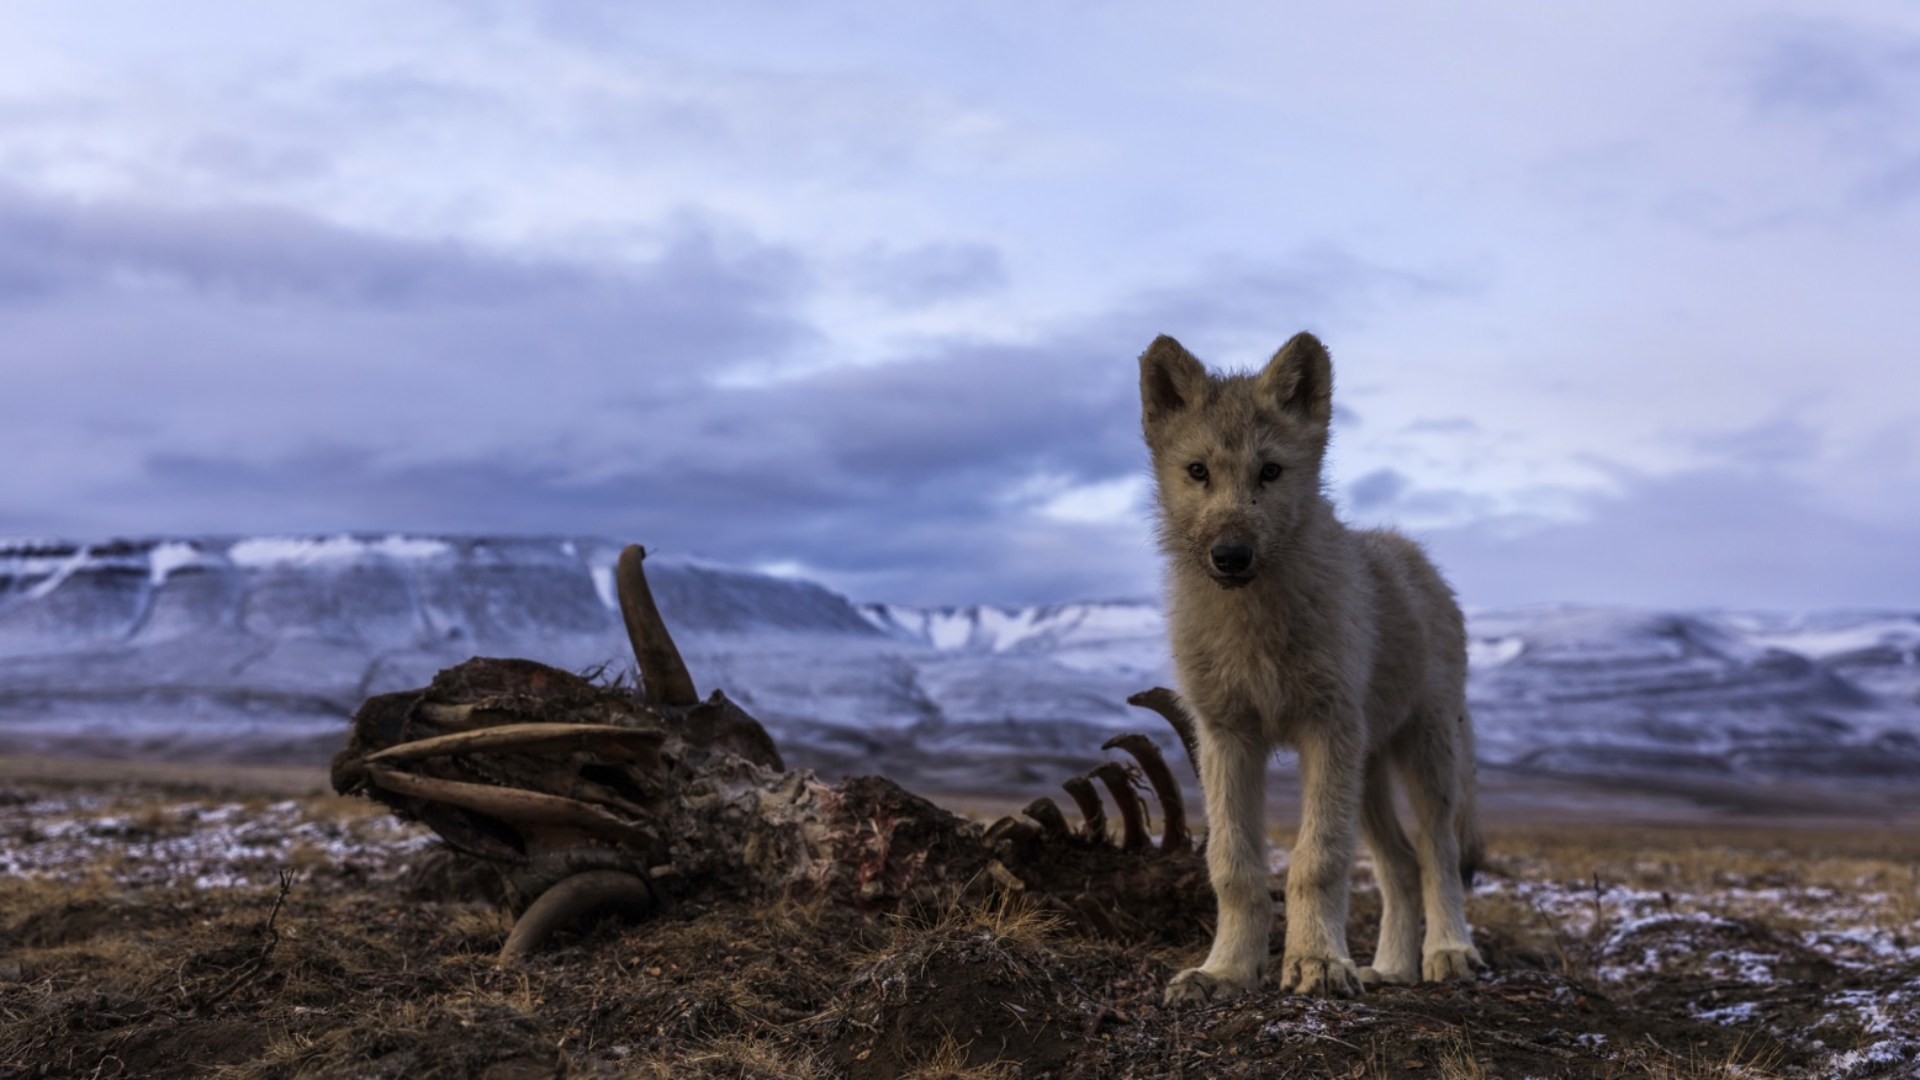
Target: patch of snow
[[605, 588], [221, 845], [267, 552], [58, 575], [1873, 1060], [1741, 1013], [1819, 637], [1743, 964], [167, 557], [1492, 652]]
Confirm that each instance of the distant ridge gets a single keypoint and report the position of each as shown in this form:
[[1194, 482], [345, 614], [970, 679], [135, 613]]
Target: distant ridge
[[257, 648]]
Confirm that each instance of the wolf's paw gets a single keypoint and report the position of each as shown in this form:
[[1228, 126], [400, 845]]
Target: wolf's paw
[[1371, 977], [1202, 986], [1320, 976], [1446, 965]]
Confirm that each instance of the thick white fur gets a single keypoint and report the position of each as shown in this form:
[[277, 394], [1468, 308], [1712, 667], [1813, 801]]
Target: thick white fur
[[1345, 645]]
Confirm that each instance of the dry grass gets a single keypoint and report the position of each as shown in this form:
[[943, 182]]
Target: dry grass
[[948, 1061], [742, 1057], [136, 911], [1459, 1062], [1744, 1061]]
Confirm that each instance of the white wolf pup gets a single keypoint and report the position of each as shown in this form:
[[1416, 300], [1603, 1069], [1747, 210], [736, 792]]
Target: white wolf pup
[[1289, 629]]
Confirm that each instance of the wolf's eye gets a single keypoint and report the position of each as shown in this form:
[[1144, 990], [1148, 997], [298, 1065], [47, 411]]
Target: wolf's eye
[[1198, 472], [1269, 473]]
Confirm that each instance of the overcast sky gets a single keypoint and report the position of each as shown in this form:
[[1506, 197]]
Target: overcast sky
[[1624, 303]]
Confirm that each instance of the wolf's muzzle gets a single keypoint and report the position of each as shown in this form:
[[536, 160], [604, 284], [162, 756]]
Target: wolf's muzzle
[[1233, 560]]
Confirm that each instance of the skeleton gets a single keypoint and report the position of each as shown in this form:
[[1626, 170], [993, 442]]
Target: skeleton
[[584, 798]]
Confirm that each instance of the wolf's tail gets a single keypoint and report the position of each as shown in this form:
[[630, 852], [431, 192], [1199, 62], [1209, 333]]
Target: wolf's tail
[[1472, 847]]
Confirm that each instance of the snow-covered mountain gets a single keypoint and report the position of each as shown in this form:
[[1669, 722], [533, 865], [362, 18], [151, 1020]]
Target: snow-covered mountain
[[258, 648], [1098, 636], [1710, 694]]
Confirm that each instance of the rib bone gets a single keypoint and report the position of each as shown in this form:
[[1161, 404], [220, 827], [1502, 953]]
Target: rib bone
[[1011, 830], [1173, 806], [1047, 813], [1169, 706], [1132, 815], [1093, 816]]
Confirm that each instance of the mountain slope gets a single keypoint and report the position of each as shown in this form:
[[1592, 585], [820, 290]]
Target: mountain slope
[[257, 648]]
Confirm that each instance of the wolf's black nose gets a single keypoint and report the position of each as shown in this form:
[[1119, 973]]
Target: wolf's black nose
[[1232, 558]]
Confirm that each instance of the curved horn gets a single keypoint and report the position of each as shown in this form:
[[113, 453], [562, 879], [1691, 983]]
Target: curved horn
[[568, 901], [1169, 706], [1093, 815], [1132, 816], [1173, 805], [663, 675]]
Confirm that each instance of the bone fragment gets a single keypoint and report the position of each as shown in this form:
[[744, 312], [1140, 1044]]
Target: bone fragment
[[663, 675], [567, 902], [1011, 829]]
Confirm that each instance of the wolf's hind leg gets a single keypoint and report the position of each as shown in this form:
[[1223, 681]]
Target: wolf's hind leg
[[1431, 764], [1396, 957], [1233, 774]]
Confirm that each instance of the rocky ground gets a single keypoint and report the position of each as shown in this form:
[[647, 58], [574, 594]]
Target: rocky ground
[[170, 930]]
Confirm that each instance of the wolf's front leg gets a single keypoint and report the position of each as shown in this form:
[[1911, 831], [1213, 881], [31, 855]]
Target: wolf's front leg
[[1332, 766], [1233, 773]]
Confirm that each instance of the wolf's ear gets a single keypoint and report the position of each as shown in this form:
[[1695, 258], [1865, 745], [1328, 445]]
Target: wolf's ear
[[1170, 380], [1299, 379]]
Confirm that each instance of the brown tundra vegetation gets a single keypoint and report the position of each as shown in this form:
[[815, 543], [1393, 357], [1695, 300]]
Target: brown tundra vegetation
[[143, 932]]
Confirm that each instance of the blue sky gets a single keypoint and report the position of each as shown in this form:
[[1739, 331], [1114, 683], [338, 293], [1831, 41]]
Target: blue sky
[[1621, 300]]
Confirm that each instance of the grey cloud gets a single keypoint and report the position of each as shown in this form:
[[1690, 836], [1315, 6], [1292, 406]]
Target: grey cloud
[[939, 543], [210, 334], [252, 159], [259, 254], [928, 274], [1317, 287], [1893, 185], [1857, 84], [288, 375], [1834, 68], [1780, 441], [1377, 488], [1450, 425], [1720, 537], [1389, 497]]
